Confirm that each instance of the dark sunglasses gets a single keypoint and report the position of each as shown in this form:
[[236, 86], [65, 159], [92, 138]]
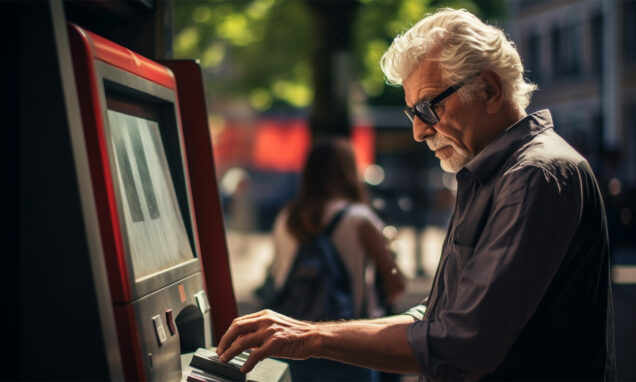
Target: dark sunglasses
[[425, 111]]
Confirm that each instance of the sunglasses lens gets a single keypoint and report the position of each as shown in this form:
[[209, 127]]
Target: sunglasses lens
[[425, 112], [409, 113]]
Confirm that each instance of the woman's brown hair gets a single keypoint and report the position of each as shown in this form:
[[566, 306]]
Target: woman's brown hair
[[330, 172]]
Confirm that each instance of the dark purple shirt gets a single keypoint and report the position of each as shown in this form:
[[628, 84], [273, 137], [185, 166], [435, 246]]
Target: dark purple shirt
[[522, 290]]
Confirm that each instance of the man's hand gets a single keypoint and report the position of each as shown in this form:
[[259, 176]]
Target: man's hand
[[266, 333]]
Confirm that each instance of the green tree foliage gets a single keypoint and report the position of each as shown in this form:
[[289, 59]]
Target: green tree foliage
[[260, 50], [255, 50]]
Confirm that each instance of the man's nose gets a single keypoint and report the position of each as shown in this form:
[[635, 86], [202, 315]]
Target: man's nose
[[421, 130]]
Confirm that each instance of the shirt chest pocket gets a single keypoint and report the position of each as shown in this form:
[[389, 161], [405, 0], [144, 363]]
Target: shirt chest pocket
[[467, 233], [457, 260], [473, 220]]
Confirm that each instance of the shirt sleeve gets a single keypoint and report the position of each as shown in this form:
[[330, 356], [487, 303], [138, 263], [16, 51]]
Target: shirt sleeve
[[533, 218], [417, 312]]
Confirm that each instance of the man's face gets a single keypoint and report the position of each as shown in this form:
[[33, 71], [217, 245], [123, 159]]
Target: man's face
[[453, 138]]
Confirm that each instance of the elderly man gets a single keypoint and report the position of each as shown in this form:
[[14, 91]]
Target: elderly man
[[522, 290]]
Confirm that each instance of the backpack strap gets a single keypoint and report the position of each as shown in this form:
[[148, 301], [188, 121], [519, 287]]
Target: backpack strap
[[334, 262], [335, 220]]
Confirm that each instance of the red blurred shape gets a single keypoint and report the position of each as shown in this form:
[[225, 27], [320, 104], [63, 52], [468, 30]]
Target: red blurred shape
[[233, 145], [363, 142], [281, 145]]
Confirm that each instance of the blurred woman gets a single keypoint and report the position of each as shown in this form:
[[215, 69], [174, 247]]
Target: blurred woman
[[330, 182]]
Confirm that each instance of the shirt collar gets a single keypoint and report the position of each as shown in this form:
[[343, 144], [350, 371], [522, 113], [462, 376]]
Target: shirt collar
[[493, 156]]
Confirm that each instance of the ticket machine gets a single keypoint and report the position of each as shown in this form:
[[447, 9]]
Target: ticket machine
[[157, 205]]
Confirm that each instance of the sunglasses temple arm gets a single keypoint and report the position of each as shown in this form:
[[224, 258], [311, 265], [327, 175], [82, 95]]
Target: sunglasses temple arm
[[446, 93]]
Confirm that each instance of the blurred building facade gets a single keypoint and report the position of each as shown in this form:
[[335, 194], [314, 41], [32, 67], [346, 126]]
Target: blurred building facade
[[582, 55]]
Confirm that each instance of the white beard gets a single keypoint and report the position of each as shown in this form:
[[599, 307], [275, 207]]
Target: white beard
[[456, 160]]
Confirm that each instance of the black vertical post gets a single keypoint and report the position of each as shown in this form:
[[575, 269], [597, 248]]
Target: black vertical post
[[10, 269], [66, 325], [332, 60]]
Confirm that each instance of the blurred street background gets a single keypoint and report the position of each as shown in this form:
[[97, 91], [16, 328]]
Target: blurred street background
[[281, 73]]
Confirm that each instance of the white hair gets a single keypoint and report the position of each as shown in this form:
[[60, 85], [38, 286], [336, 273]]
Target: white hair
[[463, 46]]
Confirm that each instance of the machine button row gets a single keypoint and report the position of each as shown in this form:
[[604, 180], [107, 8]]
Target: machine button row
[[160, 331], [202, 301]]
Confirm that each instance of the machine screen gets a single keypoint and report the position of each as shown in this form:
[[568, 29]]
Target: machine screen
[[153, 225]]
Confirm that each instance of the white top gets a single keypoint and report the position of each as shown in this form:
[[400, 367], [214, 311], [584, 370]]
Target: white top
[[345, 238]]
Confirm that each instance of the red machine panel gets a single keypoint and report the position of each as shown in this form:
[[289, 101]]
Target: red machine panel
[[205, 192], [143, 161]]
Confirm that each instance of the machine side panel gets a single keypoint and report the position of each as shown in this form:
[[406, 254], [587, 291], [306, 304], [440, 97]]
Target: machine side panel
[[205, 193]]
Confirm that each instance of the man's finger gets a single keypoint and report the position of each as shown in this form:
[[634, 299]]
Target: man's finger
[[256, 356], [242, 343], [240, 326], [226, 340]]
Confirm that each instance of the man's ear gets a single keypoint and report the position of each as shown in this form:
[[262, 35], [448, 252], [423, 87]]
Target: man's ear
[[493, 91]]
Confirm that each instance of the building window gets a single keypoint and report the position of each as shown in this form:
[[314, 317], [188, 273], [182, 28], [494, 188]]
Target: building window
[[598, 132], [566, 50], [630, 138], [629, 15], [597, 44], [528, 4], [555, 44], [533, 57]]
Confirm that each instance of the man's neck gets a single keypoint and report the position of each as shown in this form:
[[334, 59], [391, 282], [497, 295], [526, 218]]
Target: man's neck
[[499, 122]]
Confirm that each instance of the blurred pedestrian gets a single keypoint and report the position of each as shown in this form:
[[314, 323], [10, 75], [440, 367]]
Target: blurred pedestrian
[[330, 183]]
